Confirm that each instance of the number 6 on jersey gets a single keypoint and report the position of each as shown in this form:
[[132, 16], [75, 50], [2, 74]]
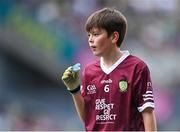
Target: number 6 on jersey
[[106, 88]]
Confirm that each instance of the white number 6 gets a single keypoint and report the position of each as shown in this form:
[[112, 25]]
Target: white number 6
[[106, 88]]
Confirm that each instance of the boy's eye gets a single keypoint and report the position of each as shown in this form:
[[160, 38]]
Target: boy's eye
[[88, 34], [95, 34], [92, 34]]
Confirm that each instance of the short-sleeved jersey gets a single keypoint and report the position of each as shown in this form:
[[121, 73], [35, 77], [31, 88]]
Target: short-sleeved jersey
[[115, 97]]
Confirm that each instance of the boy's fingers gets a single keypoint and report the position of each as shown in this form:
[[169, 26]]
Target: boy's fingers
[[64, 77], [70, 76], [67, 74], [69, 69]]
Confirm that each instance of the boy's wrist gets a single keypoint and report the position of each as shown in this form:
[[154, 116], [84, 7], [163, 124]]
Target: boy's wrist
[[74, 91]]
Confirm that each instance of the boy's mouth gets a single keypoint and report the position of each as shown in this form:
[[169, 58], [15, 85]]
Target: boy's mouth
[[93, 48]]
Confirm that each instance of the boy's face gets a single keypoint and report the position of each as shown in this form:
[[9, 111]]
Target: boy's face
[[99, 42]]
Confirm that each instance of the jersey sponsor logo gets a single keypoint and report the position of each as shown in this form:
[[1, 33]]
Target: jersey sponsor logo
[[105, 108], [91, 89], [106, 81], [149, 86], [123, 86]]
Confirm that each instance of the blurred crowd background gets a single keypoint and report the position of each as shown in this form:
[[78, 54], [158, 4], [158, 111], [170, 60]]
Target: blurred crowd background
[[40, 38]]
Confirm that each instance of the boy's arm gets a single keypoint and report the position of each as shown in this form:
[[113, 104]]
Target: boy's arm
[[72, 81], [149, 119], [79, 104]]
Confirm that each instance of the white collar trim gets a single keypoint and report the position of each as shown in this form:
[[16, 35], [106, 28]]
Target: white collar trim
[[119, 61]]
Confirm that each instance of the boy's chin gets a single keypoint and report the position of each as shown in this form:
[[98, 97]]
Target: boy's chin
[[96, 54]]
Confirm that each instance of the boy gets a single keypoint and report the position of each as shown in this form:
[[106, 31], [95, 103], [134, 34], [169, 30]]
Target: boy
[[116, 92]]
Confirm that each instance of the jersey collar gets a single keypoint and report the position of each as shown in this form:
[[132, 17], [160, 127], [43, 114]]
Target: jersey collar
[[110, 69]]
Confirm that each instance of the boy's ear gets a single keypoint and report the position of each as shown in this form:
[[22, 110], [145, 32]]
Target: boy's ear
[[115, 37]]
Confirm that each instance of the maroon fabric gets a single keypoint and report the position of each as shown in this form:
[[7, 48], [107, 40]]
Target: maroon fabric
[[111, 108]]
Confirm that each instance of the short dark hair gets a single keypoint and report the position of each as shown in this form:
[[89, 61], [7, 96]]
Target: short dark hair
[[109, 19]]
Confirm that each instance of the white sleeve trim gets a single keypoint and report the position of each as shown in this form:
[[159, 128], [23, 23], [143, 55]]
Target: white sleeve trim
[[144, 106]]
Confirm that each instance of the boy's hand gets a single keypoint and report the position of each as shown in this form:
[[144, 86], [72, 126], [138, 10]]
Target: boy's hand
[[71, 77]]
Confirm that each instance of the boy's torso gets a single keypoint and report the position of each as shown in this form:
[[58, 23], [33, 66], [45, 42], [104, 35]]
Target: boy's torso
[[109, 101]]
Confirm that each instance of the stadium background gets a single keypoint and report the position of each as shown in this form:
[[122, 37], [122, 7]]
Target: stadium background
[[40, 38]]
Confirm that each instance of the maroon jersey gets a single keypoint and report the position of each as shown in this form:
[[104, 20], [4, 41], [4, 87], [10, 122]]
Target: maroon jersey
[[115, 97]]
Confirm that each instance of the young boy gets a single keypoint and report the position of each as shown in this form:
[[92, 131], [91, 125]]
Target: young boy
[[116, 92]]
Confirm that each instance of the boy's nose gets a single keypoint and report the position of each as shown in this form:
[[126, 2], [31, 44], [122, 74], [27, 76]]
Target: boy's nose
[[90, 39]]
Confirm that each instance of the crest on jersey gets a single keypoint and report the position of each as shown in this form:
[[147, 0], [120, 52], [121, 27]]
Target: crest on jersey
[[123, 85]]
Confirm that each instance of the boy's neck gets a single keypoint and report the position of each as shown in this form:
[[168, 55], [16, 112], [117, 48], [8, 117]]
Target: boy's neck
[[110, 59]]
